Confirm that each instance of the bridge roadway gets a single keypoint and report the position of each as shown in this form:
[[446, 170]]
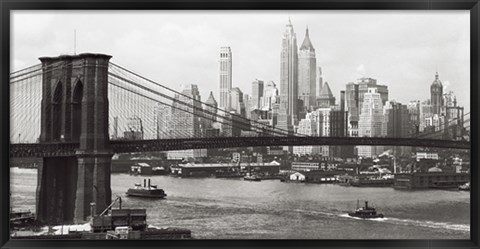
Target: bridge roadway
[[127, 146]]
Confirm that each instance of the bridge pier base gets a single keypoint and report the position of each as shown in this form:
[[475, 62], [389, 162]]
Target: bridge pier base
[[55, 194], [93, 185]]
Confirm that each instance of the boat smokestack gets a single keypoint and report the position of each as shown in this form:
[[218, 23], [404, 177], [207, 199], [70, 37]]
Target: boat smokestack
[[148, 183], [144, 183], [366, 204]]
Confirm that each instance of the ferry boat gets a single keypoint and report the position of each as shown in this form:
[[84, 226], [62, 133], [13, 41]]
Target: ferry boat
[[147, 191], [366, 212]]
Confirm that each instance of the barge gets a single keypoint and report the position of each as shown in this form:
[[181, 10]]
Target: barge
[[110, 224]]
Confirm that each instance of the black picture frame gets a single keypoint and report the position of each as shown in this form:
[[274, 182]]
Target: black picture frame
[[8, 5]]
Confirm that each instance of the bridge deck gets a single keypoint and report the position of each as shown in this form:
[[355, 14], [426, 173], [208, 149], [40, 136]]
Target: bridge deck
[[70, 149]]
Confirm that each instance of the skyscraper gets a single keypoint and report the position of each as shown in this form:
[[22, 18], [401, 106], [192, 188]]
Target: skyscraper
[[308, 126], [307, 64], [187, 122], [257, 94], [397, 124], [288, 113], [319, 80], [237, 103], [270, 96], [225, 77], [371, 120], [247, 103], [413, 108], [354, 100], [163, 120], [339, 128], [436, 93], [325, 98], [211, 106], [454, 117], [324, 128], [426, 111]]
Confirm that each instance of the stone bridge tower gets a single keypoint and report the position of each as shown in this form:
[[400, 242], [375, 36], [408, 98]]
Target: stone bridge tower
[[74, 109]]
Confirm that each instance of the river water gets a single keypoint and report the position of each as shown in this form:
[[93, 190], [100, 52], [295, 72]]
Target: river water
[[270, 209]]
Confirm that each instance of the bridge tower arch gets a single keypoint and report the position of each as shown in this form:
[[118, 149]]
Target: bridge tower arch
[[74, 109]]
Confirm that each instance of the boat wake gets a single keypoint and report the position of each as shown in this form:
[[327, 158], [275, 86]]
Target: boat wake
[[358, 218], [421, 223], [432, 224]]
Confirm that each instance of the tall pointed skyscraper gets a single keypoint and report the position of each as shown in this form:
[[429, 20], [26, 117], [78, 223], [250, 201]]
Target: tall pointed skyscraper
[[288, 112], [307, 64], [436, 91], [225, 77]]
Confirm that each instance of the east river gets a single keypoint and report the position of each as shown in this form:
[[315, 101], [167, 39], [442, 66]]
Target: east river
[[270, 209]]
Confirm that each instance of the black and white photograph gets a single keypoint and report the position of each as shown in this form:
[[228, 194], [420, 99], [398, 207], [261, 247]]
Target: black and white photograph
[[240, 125]]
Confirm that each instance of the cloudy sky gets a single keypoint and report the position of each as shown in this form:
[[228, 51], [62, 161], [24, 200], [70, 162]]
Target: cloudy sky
[[401, 49]]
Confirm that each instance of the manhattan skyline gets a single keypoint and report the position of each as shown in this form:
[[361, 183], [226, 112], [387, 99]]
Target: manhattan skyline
[[181, 47]]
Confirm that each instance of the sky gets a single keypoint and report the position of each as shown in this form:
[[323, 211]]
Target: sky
[[401, 49]]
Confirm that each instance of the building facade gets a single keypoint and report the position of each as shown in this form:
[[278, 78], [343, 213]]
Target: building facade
[[270, 96], [163, 121], [370, 122], [187, 121], [454, 116], [426, 111], [237, 104], [325, 98], [354, 96], [413, 108], [307, 65], [436, 95], [397, 120], [319, 80], [257, 94], [397, 124], [225, 77], [211, 108], [288, 112], [308, 126]]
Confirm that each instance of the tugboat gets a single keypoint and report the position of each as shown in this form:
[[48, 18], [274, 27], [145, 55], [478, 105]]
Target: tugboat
[[366, 212], [147, 191]]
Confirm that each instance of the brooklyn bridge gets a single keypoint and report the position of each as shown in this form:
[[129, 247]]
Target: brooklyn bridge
[[69, 110]]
